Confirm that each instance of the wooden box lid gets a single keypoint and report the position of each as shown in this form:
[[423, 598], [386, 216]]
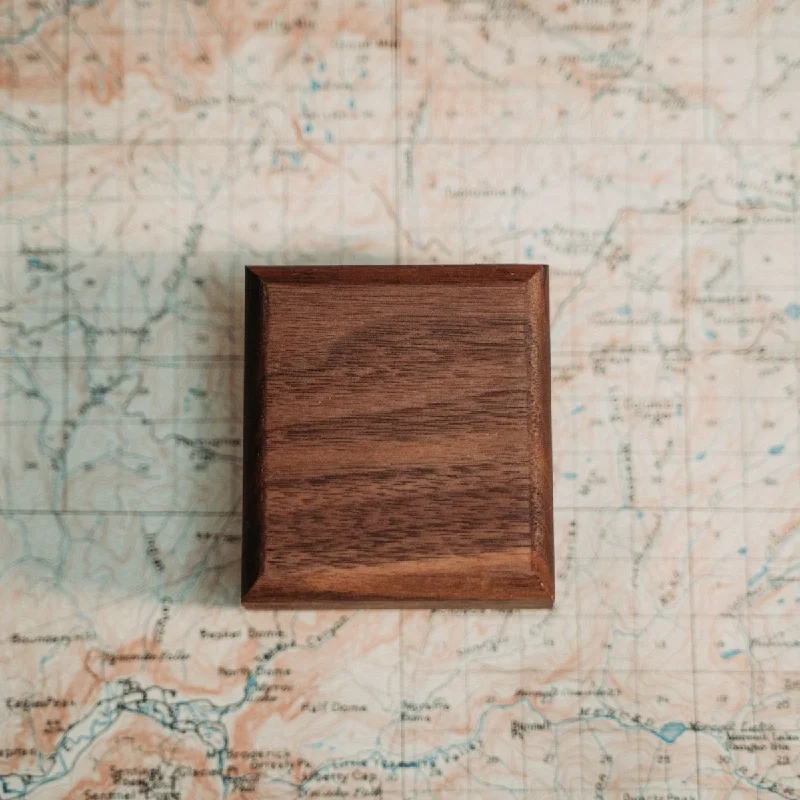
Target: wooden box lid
[[397, 443]]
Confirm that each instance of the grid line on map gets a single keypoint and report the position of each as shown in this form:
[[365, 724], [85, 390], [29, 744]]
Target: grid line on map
[[788, 348], [396, 28], [743, 463], [182, 269], [574, 516], [521, 616], [704, 66], [611, 510], [533, 141], [234, 269], [687, 466], [63, 500], [5, 436], [463, 260], [629, 445]]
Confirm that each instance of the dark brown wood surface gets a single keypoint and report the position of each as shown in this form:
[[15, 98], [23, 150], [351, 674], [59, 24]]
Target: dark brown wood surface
[[397, 437]]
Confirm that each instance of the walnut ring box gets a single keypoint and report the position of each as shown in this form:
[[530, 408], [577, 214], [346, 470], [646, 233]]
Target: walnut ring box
[[397, 438]]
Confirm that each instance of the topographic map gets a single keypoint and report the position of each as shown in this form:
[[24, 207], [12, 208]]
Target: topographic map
[[647, 150]]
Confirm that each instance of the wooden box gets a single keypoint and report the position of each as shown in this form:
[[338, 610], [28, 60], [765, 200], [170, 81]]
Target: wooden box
[[397, 444]]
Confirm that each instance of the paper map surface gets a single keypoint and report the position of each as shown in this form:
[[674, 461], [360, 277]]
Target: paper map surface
[[647, 150]]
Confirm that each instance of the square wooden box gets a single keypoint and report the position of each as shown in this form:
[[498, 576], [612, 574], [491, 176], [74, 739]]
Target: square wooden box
[[397, 443]]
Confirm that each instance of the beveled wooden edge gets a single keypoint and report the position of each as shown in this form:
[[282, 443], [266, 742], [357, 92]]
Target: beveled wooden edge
[[475, 273], [452, 581], [257, 591], [540, 435], [253, 602], [256, 311]]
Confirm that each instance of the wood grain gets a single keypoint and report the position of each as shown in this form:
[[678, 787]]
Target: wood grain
[[397, 437]]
